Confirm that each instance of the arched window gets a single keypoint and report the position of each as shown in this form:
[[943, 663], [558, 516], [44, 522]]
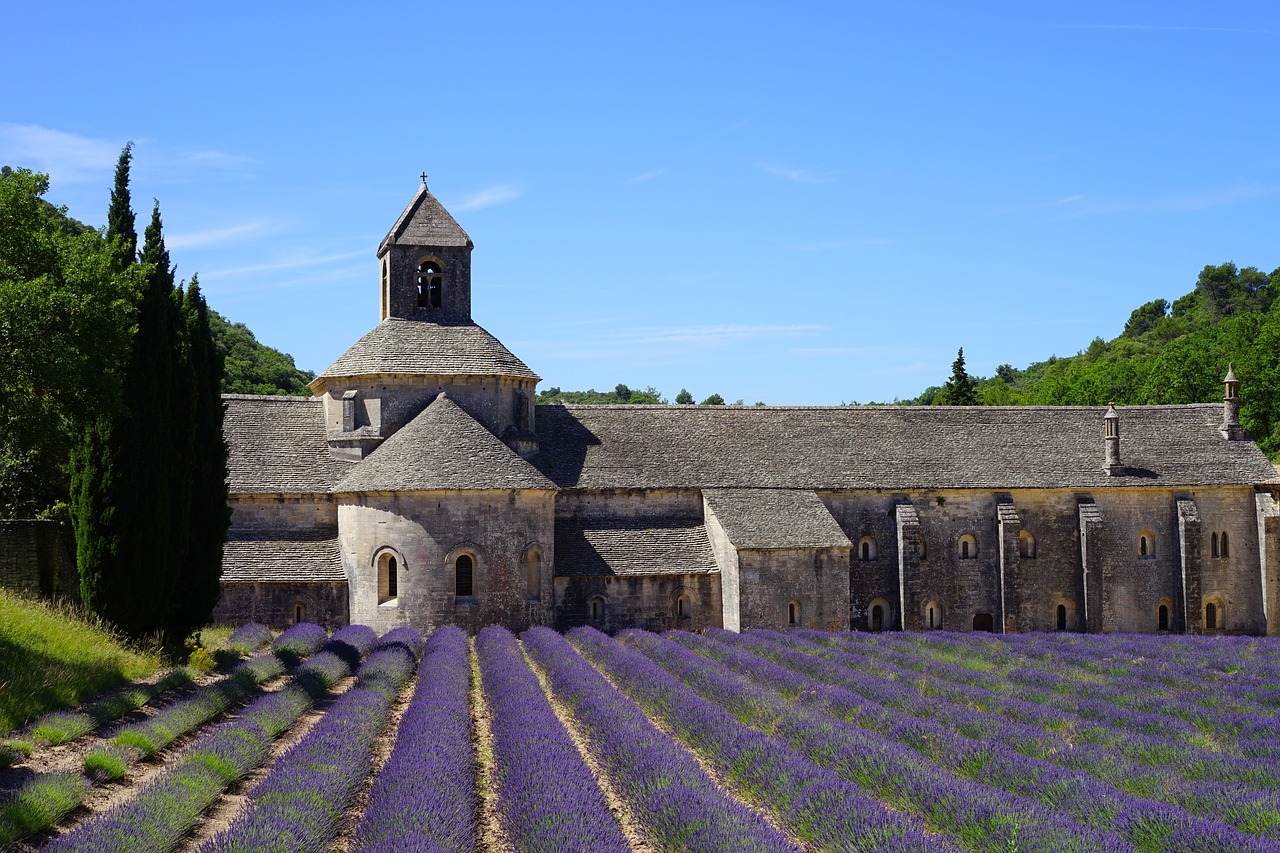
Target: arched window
[[683, 609], [299, 613], [879, 615], [877, 618], [1214, 539], [1162, 618], [463, 575], [1146, 544], [932, 616], [1226, 547], [596, 610], [793, 613], [867, 549], [1215, 615], [533, 574], [388, 580], [430, 283], [1026, 545], [968, 547], [984, 622], [1062, 617]]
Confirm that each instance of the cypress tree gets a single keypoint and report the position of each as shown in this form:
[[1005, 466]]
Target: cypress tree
[[122, 231], [125, 469], [960, 389], [194, 586]]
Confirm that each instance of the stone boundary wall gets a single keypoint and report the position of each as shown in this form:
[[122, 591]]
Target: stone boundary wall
[[37, 558]]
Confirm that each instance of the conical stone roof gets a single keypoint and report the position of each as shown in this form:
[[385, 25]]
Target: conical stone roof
[[442, 448], [425, 222]]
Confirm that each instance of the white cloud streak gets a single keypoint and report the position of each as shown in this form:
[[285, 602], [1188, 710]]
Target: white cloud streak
[[640, 179], [488, 197], [215, 236], [1172, 204], [65, 157], [800, 176]]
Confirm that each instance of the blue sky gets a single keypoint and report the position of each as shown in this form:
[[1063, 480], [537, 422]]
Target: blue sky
[[800, 203]]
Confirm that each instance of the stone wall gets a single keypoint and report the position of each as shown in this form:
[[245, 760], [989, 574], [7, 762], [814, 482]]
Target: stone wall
[[283, 511], [638, 601], [814, 579], [37, 557], [426, 532], [277, 604]]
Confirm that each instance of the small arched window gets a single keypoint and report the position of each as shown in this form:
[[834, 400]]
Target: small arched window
[[683, 610], [430, 283], [793, 613], [533, 574], [932, 616], [463, 576], [877, 618], [596, 610], [1214, 539], [1162, 618], [1062, 617], [867, 549], [1146, 544], [299, 613], [1026, 545], [388, 580], [968, 547], [1226, 546], [1211, 617]]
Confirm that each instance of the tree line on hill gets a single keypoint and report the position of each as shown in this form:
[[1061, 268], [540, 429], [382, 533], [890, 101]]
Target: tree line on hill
[[1167, 353], [650, 396]]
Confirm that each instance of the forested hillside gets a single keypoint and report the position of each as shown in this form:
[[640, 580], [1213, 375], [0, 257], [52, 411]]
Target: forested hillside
[[252, 367], [1168, 353]]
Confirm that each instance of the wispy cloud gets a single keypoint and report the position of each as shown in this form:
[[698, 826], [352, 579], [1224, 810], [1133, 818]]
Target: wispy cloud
[[489, 196], [800, 176], [640, 179], [1158, 28], [65, 157], [1172, 203], [829, 245], [216, 236], [716, 334], [1071, 199], [296, 262], [214, 159]]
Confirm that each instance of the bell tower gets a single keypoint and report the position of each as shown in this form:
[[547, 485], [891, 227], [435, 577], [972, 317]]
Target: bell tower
[[424, 265]]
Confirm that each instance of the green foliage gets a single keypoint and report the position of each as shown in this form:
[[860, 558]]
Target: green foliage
[[684, 398], [713, 400], [64, 332], [620, 394], [107, 765], [1168, 354], [41, 802], [960, 389], [253, 368], [53, 657]]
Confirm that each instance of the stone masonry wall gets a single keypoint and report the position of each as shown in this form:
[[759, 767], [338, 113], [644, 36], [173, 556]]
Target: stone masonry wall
[[276, 604], [815, 578], [639, 601], [37, 558]]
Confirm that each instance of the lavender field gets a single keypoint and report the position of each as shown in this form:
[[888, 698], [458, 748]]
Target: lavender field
[[759, 741]]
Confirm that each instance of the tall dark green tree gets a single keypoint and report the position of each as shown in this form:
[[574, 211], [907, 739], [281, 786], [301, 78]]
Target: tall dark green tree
[[960, 389], [122, 229], [194, 584], [125, 531]]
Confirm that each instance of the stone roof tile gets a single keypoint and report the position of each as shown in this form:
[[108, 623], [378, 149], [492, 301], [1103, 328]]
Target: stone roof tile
[[278, 446], [398, 347], [887, 447], [442, 448], [775, 518], [425, 222], [629, 547], [254, 555]]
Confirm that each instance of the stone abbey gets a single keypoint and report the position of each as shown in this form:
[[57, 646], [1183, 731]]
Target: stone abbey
[[422, 486]]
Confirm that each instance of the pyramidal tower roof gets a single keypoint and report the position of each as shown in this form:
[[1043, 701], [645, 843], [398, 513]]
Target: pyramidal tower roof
[[425, 222]]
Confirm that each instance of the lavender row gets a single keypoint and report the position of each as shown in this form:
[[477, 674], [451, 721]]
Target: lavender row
[[1233, 790], [1186, 693], [1101, 722], [425, 797], [680, 808], [299, 804], [1146, 824], [1144, 740], [814, 804], [546, 796], [248, 638], [163, 811], [977, 816]]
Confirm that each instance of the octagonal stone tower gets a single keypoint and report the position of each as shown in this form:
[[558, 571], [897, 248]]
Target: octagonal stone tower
[[425, 344]]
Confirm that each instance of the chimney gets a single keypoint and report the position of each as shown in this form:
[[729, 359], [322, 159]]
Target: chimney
[[1231, 429], [1112, 420]]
